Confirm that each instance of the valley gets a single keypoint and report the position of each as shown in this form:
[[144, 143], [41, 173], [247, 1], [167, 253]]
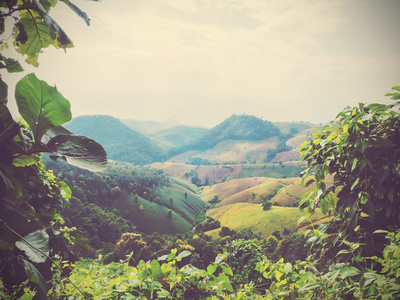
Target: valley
[[227, 173]]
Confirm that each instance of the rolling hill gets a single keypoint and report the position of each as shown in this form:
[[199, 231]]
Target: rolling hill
[[241, 216], [236, 127], [175, 213], [120, 142]]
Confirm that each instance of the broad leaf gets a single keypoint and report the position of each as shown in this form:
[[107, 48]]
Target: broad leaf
[[53, 132], [79, 151], [348, 271], [66, 191], [41, 105], [41, 31], [39, 240], [211, 269], [34, 276], [225, 282], [184, 254], [156, 270]]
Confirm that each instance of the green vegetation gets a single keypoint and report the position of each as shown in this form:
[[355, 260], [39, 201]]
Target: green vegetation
[[361, 151]]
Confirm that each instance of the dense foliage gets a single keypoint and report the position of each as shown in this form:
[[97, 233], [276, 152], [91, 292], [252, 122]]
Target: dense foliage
[[92, 208], [361, 151], [30, 197]]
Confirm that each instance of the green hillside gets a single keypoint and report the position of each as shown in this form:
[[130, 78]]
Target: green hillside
[[142, 213], [241, 216], [104, 205], [120, 142]]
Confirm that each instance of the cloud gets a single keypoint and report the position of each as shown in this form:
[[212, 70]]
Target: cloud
[[203, 58]]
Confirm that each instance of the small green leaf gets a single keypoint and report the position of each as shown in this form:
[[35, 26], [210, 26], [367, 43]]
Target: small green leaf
[[156, 270], [25, 160], [66, 192], [348, 271], [227, 269], [184, 254], [355, 160], [324, 205], [355, 183], [211, 269], [225, 282]]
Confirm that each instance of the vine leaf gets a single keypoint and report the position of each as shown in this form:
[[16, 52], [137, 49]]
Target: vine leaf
[[38, 239], [41, 105], [79, 151], [42, 31]]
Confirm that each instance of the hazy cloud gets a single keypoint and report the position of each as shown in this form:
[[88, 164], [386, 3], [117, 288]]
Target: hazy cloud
[[200, 61]]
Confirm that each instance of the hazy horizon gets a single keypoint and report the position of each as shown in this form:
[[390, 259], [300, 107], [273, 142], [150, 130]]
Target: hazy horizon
[[199, 61]]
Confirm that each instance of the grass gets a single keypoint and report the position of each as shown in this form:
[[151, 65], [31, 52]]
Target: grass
[[188, 207], [240, 216], [185, 184]]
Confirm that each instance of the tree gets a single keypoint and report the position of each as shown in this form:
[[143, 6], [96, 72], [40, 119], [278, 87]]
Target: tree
[[361, 151]]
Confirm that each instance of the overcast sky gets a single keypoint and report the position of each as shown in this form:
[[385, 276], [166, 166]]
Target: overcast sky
[[200, 61]]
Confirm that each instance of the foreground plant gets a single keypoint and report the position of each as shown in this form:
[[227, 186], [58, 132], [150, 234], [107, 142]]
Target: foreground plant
[[30, 196]]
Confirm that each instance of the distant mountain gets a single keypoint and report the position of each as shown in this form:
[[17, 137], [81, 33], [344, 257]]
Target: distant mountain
[[120, 142], [236, 127], [242, 127], [149, 127], [178, 136]]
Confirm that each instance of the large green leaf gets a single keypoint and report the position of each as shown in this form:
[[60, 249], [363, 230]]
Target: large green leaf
[[41, 105], [39, 240], [79, 151]]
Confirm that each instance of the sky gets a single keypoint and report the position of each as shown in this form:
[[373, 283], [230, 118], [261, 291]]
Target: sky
[[200, 61]]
